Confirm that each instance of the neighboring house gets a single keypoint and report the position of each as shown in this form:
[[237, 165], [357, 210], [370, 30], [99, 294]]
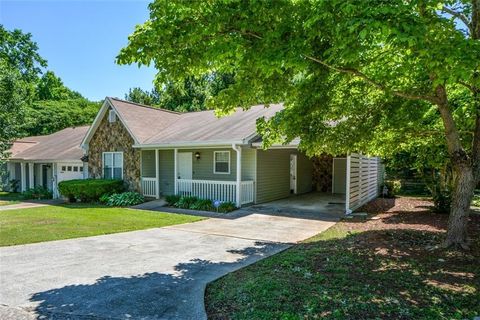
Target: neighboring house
[[47, 160], [159, 152]]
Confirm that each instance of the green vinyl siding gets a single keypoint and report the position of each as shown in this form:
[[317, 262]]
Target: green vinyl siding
[[273, 174], [203, 168], [167, 167], [148, 163], [248, 164]]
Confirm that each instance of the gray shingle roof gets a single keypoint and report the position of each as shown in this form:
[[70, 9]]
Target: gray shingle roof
[[61, 145], [161, 127]]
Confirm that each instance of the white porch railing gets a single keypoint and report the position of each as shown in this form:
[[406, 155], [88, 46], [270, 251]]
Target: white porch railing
[[149, 187], [215, 190]]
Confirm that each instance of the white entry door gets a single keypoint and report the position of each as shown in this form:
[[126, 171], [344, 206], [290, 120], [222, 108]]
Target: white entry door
[[293, 173], [185, 171], [339, 180]]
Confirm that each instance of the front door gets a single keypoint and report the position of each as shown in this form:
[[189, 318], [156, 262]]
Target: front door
[[339, 175], [293, 173], [185, 172]]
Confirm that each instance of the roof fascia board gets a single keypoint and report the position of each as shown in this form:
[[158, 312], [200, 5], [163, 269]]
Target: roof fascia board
[[95, 124]]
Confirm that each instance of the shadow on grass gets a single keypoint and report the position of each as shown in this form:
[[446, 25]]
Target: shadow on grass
[[386, 274], [177, 294]]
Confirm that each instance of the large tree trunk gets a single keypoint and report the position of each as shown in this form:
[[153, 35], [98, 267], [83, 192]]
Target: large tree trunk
[[464, 186]]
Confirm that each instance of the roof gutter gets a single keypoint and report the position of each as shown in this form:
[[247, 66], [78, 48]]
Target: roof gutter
[[187, 144]]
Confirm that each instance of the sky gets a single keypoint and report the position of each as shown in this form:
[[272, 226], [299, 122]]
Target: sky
[[80, 40]]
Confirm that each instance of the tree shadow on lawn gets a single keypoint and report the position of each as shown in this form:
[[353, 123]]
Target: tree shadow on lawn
[[377, 274], [175, 295]]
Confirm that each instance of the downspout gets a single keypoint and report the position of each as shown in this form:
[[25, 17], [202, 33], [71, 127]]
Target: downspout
[[238, 150]]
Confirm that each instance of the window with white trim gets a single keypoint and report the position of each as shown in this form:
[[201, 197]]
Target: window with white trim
[[221, 162], [113, 165]]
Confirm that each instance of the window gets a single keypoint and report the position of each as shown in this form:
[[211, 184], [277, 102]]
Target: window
[[81, 169], [69, 168], [221, 162], [112, 117], [113, 165], [75, 169], [64, 168]]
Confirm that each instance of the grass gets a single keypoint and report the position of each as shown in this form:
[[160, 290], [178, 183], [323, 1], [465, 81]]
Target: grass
[[386, 268], [48, 223]]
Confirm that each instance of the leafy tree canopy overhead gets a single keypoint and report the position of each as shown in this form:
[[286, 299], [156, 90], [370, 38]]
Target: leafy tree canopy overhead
[[284, 51]]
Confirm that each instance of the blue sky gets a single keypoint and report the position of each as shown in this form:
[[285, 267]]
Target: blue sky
[[80, 40]]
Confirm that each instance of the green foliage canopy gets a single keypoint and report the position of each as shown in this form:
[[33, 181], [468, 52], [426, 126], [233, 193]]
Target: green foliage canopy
[[371, 66]]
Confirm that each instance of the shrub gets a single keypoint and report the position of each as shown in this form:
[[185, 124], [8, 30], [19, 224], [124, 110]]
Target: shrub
[[186, 202], [393, 188], [172, 199], [125, 199], [226, 207], [89, 190], [38, 192], [104, 198], [203, 204]]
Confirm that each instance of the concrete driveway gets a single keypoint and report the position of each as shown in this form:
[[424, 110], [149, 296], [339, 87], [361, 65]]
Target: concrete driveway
[[150, 274]]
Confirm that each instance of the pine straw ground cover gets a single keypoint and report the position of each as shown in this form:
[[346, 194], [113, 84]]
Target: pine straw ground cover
[[387, 267]]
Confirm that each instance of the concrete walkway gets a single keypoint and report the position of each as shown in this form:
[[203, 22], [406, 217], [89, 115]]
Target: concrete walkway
[[150, 274]]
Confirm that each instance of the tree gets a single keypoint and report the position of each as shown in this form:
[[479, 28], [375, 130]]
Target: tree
[[49, 116], [20, 65], [354, 75], [51, 87], [190, 94]]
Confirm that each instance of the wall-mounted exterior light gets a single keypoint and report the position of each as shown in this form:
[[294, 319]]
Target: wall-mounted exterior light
[[197, 155]]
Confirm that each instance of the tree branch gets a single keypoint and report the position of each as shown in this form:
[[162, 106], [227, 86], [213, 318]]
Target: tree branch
[[460, 16], [376, 84]]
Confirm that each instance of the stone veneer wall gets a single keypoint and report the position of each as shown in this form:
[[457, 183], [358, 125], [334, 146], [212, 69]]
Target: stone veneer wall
[[322, 172], [111, 137]]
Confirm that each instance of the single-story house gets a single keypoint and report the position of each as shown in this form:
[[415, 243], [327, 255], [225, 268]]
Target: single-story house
[[46, 160], [159, 152]]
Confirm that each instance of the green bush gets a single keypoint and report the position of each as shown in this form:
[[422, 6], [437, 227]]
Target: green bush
[[186, 202], [89, 190], [203, 204], [226, 207], [125, 199], [194, 203], [172, 199], [393, 188], [36, 193], [104, 198]]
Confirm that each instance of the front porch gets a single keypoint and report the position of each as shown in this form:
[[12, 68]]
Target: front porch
[[199, 172]]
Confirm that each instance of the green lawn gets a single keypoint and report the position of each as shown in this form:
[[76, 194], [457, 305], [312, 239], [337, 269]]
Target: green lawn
[[376, 269], [72, 221]]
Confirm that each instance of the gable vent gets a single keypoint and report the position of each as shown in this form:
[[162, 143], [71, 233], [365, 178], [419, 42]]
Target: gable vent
[[112, 116]]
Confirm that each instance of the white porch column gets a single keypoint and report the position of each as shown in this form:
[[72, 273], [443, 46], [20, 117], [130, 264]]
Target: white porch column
[[23, 177], [31, 181], [175, 170], [347, 187], [157, 175], [238, 150], [40, 175]]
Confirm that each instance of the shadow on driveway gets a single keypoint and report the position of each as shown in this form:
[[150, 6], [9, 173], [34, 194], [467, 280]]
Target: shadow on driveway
[[176, 295]]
